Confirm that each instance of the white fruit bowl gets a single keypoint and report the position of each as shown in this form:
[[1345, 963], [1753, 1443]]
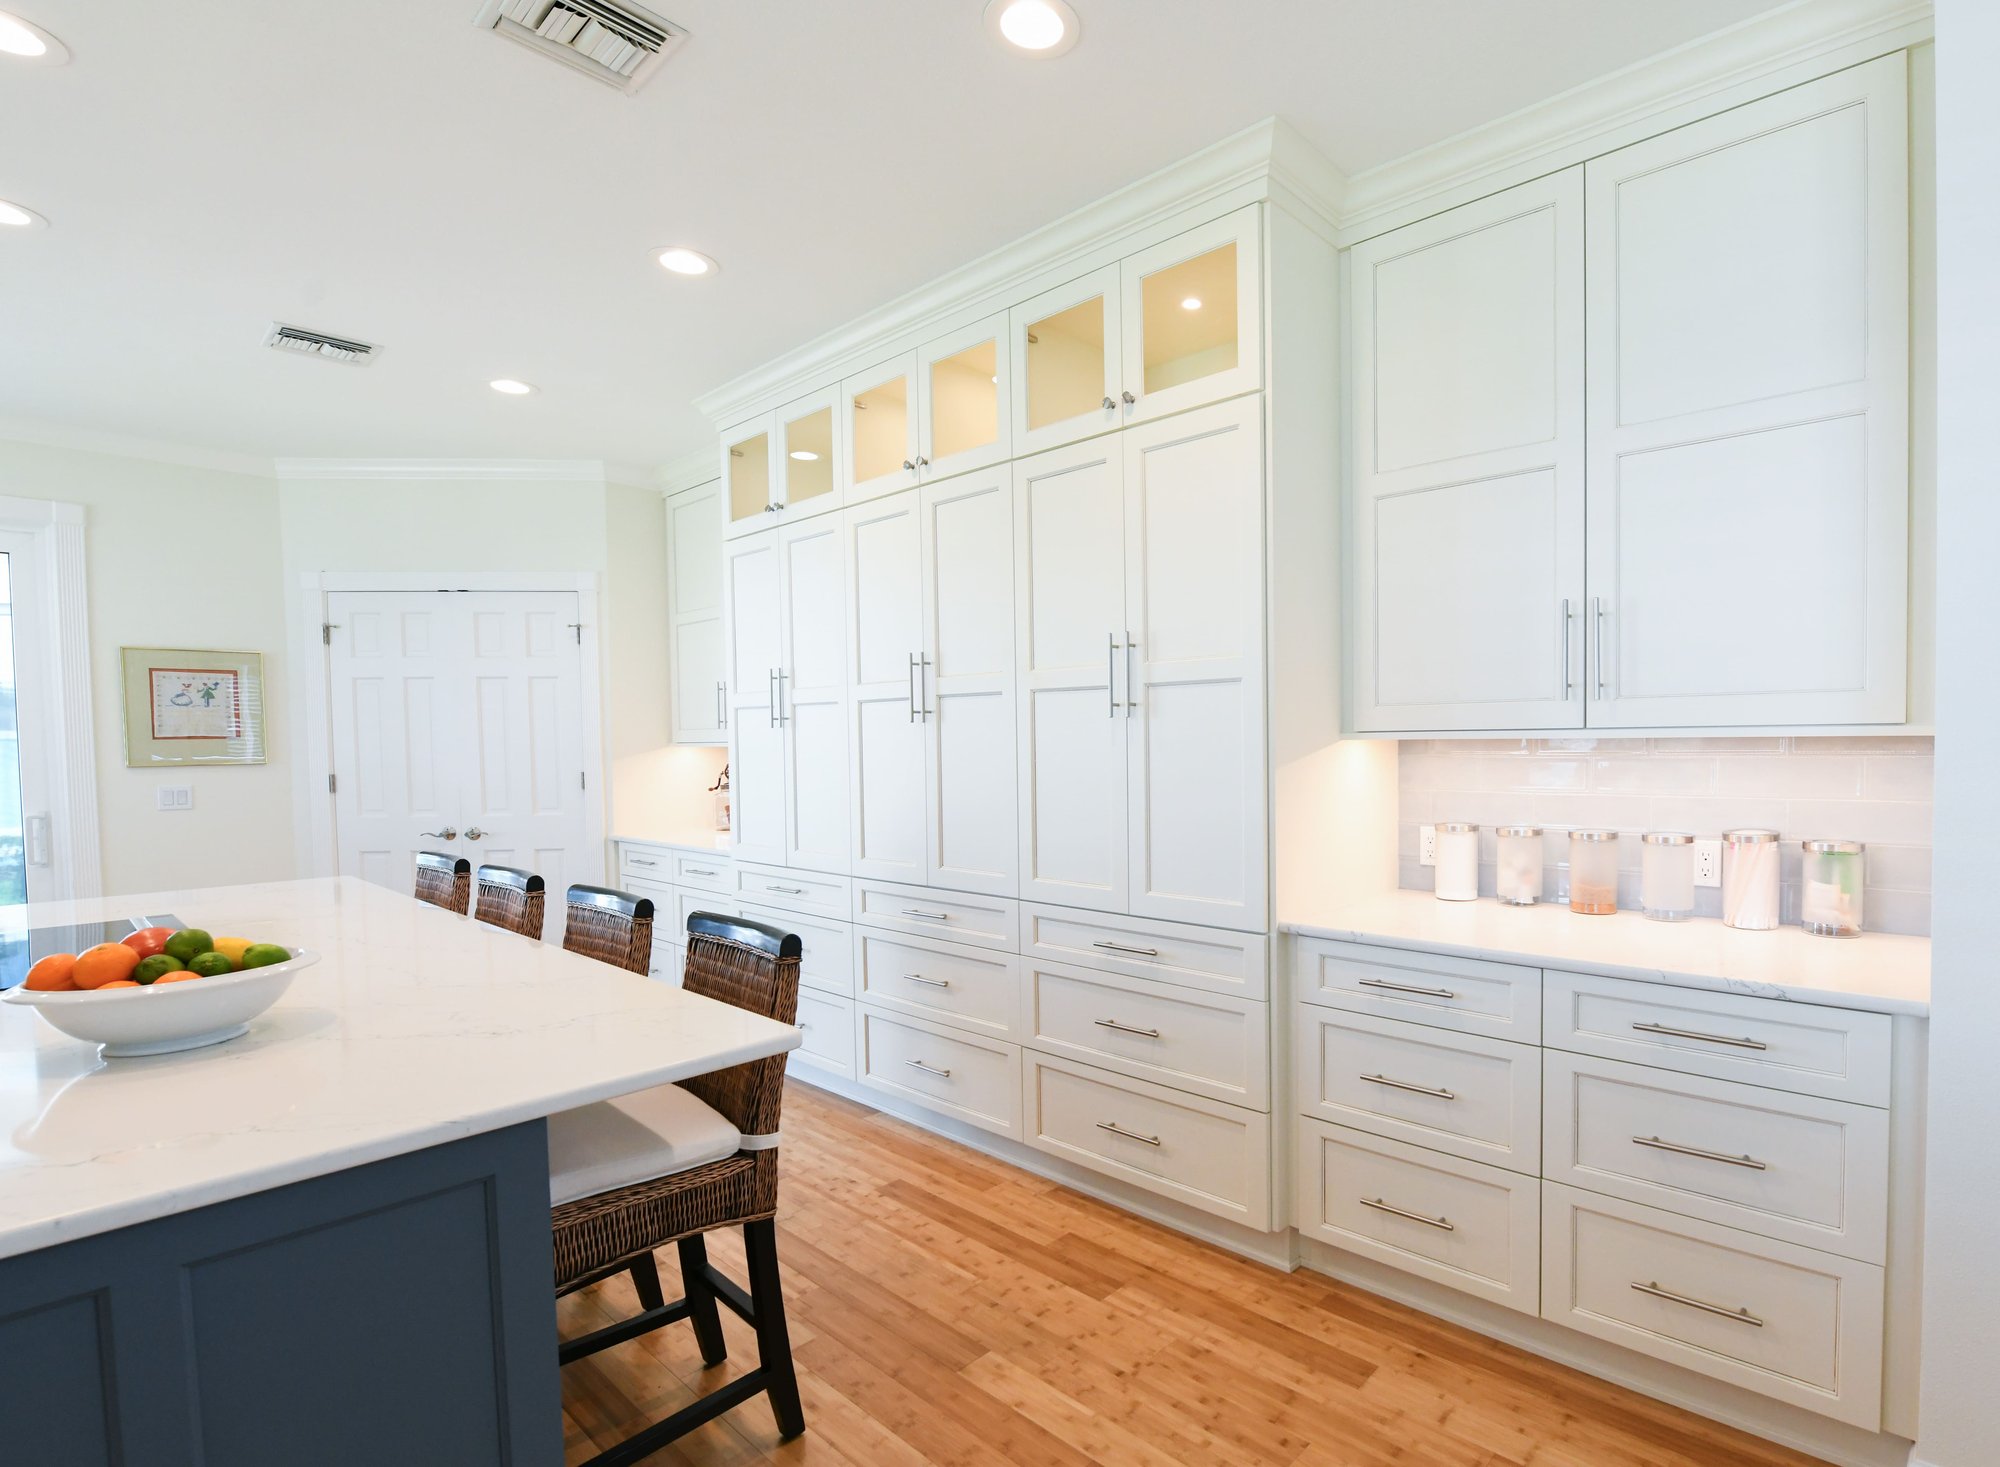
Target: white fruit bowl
[[165, 1017]]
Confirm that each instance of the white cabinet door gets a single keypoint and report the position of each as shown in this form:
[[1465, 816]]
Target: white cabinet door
[[694, 617], [749, 479], [1748, 404], [754, 651], [1068, 356], [812, 693], [963, 382], [1069, 615], [879, 414], [805, 455], [1192, 667], [1192, 313], [885, 633], [1467, 367], [966, 682]]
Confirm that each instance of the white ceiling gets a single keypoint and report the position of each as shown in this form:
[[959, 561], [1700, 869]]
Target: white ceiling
[[382, 169]]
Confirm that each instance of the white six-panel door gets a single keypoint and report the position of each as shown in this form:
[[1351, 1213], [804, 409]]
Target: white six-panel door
[[755, 648], [1193, 674], [1069, 617], [1748, 400], [886, 727], [812, 693], [1467, 366]]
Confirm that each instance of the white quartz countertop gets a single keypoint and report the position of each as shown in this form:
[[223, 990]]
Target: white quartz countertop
[[416, 1027], [1879, 972], [708, 842]]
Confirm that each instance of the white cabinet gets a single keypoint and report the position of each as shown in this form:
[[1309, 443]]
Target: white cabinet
[[1192, 313], [1748, 436], [879, 414], [1068, 362], [694, 619], [885, 620], [754, 645], [963, 382], [1467, 487], [812, 693], [782, 465]]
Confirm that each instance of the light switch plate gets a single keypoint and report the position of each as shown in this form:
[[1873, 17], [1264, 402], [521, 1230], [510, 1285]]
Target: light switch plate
[[1708, 863], [1427, 845], [173, 797]]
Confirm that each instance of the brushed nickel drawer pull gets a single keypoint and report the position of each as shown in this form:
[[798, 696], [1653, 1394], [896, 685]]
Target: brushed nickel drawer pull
[[1405, 988], [1649, 1027], [1127, 1028], [1444, 1225], [929, 982], [928, 1069], [1117, 1130], [787, 890], [1413, 1089], [1741, 1316], [1722, 1156], [927, 916], [629, 860], [1119, 947], [698, 870]]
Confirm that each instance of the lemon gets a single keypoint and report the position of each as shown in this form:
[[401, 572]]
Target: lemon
[[233, 949]]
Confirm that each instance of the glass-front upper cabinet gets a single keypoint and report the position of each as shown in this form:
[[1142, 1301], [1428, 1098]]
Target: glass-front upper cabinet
[[1192, 318], [881, 429], [808, 455], [1067, 356], [749, 500], [965, 381]]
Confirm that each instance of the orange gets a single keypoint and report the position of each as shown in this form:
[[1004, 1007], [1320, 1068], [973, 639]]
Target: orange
[[105, 963], [53, 973], [117, 983], [186, 977]]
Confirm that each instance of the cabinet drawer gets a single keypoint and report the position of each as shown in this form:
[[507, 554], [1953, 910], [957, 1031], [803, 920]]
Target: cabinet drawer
[[670, 920], [964, 987], [1837, 1053], [1789, 1322], [710, 873], [1212, 1044], [795, 891], [1796, 1167], [1466, 994], [826, 953], [667, 961], [1172, 952], [978, 921], [827, 1024], [1462, 1093], [978, 1081], [645, 863], [1472, 1227], [1208, 1155]]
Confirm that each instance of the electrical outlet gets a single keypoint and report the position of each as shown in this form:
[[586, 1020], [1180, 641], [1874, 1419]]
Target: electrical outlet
[[173, 797], [1427, 845], [1708, 863]]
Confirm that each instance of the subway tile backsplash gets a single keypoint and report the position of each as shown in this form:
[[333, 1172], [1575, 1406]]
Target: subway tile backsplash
[[1876, 790]]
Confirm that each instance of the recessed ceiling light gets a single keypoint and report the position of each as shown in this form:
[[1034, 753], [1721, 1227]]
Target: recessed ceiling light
[[1192, 303], [511, 387], [29, 42], [20, 216], [1038, 27], [683, 261], [805, 455]]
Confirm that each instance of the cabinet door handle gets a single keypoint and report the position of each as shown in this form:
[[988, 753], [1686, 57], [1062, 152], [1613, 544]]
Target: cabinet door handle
[[928, 1069], [1119, 947], [722, 705], [1127, 1028], [928, 982], [1597, 614], [1129, 398], [1741, 1316], [771, 695], [1111, 672], [1405, 988], [1110, 404], [922, 462], [927, 916], [1722, 1156], [1568, 682], [924, 709], [1444, 1225], [1413, 1089], [1131, 698], [1649, 1027], [913, 687], [779, 702], [910, 465], [1117, 1130]]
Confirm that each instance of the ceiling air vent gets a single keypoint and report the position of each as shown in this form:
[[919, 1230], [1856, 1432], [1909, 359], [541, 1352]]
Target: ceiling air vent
[[318, 344], [617, 43]]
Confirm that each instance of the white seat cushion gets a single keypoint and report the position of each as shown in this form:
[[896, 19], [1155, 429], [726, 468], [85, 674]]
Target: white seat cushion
[[635, 1138]]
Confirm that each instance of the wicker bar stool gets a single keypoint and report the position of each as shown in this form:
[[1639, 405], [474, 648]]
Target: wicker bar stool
[[612, 926], [512, 899], [670, 1164], [444, 881]]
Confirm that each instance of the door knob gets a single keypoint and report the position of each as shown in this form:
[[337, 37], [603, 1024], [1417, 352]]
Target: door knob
[[1109, 404], [910, 465], [473, 832], [1129, 398], [446, 834]]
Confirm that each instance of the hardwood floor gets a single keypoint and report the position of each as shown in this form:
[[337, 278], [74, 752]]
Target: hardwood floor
[[949, 1308]]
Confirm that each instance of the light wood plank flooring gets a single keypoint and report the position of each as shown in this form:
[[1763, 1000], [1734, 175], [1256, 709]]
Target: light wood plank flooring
[[949, 1308]]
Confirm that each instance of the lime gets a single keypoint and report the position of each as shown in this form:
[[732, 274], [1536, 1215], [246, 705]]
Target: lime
[[153, 969], [188, 943], [263, 954], [211, 965]]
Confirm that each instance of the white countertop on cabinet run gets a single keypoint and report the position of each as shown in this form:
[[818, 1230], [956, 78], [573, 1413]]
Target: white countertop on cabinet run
[[710, 842], [1879, 972], [416, 1027]]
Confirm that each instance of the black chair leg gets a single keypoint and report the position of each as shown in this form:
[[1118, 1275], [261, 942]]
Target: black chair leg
[[701, 1300], [774, 1342], [646, 1279]]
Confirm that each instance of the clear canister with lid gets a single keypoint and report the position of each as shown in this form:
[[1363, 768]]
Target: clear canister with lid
[[1517, 874], [1666, 875], [1593, 872], [1830, 887], [1457, 856], [1750, 879]]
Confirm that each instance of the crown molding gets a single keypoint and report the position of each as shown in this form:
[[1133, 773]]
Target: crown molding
[[1781, 48], [122, 445], [685, 472], [586, 470]]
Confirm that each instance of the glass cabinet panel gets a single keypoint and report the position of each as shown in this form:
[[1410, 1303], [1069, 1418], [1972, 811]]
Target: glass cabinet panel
[[1190, 319], [809, 456], [749, 477], [965, 401], [880, 430], [1065, 364]]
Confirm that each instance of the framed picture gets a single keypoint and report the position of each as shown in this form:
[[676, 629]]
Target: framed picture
[[184, 706]]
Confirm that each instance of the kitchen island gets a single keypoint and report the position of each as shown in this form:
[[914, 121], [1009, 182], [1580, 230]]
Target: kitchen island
[[326, 1241]]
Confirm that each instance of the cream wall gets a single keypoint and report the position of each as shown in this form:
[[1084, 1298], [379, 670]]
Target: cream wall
[[176, 556]]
